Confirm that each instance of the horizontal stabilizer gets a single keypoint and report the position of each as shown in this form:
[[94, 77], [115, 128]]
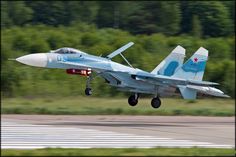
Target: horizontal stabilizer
[[118, 51], [202, 82], [208, 90]]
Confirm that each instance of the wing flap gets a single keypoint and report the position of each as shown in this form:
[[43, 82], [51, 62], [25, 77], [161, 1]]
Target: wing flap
[[160, 79], [163, 80]]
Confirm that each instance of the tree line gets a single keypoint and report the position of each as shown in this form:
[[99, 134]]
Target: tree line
[[197, 18]]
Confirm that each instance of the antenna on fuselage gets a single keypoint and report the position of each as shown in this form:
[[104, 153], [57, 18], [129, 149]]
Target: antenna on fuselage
[[119, 51]]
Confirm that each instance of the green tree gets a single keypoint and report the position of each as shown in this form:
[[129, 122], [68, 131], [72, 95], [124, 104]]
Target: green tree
[[139, 23], [9, 79], [214, 17], [229, 78], [105, 16], [230, 5], [166, 15], [219, 48], [82, 11], [15, 13], [48, 12], [150, 17], [5, 19], [186, 17], [196, 27]]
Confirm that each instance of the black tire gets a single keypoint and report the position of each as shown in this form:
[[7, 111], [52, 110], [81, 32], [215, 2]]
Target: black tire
[[132, 101], [156, 102], [88, 91]]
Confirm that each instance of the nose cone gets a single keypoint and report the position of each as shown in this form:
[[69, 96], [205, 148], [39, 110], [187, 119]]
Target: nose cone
[[37, 59]]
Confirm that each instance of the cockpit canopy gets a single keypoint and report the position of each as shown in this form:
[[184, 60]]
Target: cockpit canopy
[[66, 50]]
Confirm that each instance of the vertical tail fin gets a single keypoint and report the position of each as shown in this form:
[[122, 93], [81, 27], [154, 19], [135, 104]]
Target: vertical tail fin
[[169, 65], [194, 67]]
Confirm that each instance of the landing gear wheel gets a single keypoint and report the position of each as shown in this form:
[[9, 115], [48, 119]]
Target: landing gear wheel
[[133, 100], [156, 102], [88, 91]]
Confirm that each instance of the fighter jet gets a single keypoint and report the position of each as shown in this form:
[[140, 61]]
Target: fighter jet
[[169, 76]]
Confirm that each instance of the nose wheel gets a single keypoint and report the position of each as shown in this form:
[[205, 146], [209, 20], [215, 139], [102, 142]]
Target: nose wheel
[[156, 102], [133, 100], [88, 91]]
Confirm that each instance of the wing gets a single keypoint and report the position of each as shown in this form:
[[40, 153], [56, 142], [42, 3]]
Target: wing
[[186, 86], [118, 51], [160, 79], [165, 80]]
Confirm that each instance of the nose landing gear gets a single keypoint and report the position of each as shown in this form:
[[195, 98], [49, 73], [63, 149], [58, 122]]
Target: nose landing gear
[[88, 90]]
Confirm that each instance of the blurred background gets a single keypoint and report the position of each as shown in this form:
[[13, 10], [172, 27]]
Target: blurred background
[[100, 27]]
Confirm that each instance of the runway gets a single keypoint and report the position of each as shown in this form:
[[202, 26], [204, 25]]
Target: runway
[[61, 131]]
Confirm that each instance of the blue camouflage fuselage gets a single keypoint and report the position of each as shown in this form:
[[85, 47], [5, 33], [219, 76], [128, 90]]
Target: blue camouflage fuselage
[[115, 72]]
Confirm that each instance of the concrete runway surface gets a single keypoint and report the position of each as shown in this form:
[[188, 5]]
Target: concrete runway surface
[[73, 131]]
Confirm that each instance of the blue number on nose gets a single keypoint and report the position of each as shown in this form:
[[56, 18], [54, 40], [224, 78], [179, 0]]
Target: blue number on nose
[[59, 58]]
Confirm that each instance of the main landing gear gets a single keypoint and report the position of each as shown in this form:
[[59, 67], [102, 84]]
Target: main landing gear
[[156, 102], [133, 101]]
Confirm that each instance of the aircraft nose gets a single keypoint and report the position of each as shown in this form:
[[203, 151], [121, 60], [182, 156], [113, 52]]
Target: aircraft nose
[[37, 59]]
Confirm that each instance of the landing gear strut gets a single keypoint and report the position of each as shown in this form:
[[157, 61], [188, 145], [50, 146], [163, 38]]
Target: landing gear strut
[[156, 102], [133, 100], [88, 90]]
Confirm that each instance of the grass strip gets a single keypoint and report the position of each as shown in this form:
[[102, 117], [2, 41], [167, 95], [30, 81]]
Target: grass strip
[[121, 152], [116, 106]]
